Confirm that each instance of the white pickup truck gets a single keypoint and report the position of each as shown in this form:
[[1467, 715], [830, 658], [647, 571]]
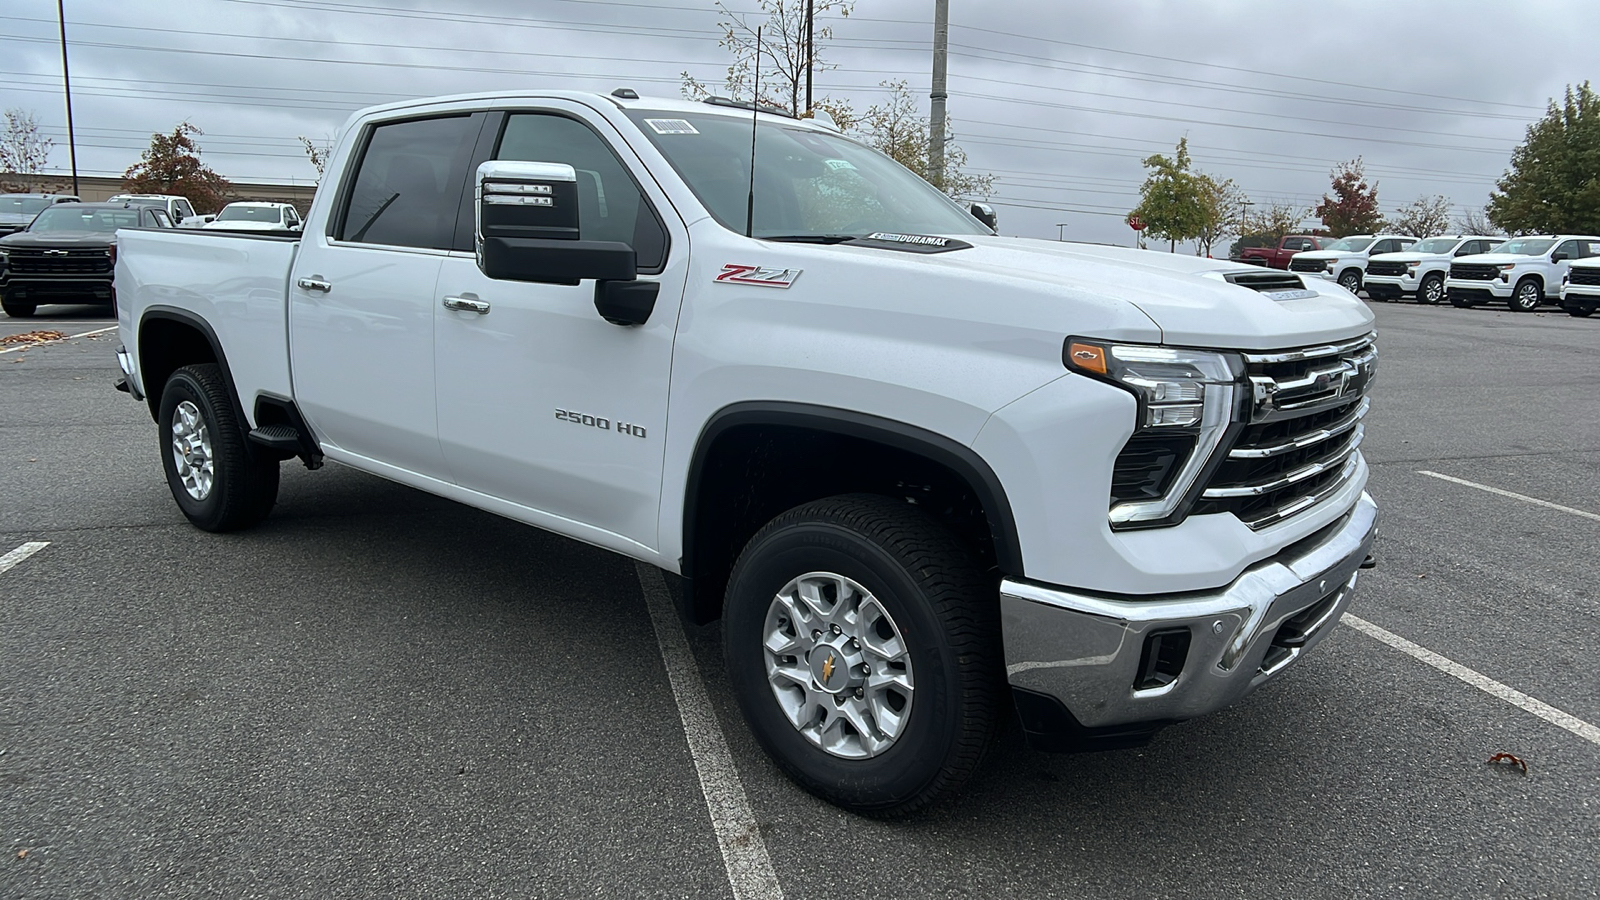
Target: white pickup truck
[[1523, 272], [1345, 260], [924, 474], [1420, 272], [1580, 291]]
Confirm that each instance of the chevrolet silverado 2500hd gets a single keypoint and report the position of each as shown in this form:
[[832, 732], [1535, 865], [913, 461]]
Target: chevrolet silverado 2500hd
[[924, 474]]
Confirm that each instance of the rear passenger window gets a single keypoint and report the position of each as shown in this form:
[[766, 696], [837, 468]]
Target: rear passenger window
[[610, 205], [408, 185]]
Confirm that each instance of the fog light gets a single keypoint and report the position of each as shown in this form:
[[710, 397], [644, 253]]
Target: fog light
[[1162, 661]]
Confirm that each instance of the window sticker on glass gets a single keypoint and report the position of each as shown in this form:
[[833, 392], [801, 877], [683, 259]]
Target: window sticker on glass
[[840, 164], [672, 126]]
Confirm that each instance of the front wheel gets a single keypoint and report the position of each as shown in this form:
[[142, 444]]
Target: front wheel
[[863, 643], [18, 309], [1581, 310], [1431, 291], [1351, 281], [1527, 296], [219, 481]]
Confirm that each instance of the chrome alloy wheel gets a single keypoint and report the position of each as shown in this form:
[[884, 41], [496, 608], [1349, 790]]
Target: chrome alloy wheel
[[191, 450], [837, 665]]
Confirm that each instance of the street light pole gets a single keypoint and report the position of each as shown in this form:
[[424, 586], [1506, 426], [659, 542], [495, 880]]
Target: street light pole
[[1059, 226], [936, 116], [66, 82]]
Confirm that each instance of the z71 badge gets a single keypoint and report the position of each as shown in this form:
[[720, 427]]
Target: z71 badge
[[765, 276]]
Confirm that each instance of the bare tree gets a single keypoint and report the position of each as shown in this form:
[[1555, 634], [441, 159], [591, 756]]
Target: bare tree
[[317, 152], [1475, 221], [783, 51], [898, 129], [1422, 217], [23, 151], [1274, 220]]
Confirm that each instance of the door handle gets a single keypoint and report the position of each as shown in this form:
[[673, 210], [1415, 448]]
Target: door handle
[[314, 284], [467, 304]]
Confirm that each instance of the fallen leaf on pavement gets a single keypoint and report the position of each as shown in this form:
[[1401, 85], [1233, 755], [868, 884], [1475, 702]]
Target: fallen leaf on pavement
[[33, 337], [1507, 758]]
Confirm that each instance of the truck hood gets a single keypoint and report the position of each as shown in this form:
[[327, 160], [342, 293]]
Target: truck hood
[[1403, 256], [1500, 258], [68, 239], [1187, 297]]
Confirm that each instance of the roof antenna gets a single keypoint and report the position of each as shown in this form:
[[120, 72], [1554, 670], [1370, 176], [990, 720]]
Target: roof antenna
[[755, 107]]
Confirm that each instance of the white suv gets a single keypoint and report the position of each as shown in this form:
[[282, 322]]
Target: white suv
[[1420, 271], [1580, 291], [250, 215], [1524, 272], [1345, 260]]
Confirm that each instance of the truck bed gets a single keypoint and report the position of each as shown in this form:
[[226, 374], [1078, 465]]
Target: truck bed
[[235, 282]]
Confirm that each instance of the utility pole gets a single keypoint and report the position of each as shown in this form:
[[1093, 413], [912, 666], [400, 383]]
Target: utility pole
[[811, 14], [936, 117], [1061, 233], [66, 81]]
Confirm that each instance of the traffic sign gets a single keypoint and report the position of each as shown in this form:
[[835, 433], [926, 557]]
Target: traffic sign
[[1136, 223]]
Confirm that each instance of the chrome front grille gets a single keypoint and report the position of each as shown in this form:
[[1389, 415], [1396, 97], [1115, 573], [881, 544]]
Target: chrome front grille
[[1300, 443]]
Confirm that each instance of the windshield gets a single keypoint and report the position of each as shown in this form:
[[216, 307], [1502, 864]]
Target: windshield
[[238, 213], [1352, 244], [1526, 246], [23, 206], [807, 183], [72, 217], [1436, 245]]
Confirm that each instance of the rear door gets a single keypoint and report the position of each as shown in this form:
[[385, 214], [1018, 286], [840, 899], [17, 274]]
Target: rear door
[[361, 295], [541, 401]]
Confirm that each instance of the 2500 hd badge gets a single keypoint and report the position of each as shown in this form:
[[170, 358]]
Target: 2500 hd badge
[[600, 422]]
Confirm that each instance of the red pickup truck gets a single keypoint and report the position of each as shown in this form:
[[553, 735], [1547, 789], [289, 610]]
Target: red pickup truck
[[1278, 257]]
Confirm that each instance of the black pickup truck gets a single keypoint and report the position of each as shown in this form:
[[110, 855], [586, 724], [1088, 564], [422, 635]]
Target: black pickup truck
[[67, 254]]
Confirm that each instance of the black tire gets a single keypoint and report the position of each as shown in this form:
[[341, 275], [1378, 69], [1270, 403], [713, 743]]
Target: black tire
[[1581, 310], [1458, 301], [1527, 296], [1350, 280], [18, 309], [1431, 290], [944, 607], [244, 483]]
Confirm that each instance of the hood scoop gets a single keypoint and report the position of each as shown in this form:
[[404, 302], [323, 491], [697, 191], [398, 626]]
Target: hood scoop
[[1273, 284]]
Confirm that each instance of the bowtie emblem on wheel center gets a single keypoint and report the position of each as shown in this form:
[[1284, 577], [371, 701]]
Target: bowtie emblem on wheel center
[[836, 667]]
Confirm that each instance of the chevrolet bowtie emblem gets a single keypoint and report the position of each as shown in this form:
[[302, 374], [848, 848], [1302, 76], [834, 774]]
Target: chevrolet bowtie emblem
[[827, 669]]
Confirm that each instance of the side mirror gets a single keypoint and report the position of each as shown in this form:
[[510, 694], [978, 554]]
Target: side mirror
[[527, 230], [984, 213], [1559, 257]]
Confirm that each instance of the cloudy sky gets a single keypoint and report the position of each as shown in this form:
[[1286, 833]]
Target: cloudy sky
[[1059, 99]]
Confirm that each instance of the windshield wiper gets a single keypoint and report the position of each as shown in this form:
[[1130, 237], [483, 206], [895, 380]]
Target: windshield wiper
[[808, 238]]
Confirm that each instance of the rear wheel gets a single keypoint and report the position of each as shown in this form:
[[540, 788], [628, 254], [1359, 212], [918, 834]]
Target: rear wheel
[[1350, 280], [1528, 295], [1431, 291], [862, 639], [18, 309], [220, 482]]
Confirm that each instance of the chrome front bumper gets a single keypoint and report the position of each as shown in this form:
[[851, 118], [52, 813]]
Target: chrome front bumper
[[1098, 655]]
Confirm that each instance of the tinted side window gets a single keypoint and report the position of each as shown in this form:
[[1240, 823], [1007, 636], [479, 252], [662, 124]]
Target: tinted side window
[[407, 186], [1570, 248], [161, 219], [610, 205], [184, 209]]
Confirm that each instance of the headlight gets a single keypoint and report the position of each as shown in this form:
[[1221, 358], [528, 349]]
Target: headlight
[[1186, 399], [1333, 264], [1506, 267]]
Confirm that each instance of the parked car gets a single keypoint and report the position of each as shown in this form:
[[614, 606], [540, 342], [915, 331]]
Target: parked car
[[1122, 490], [67, 254], [1278, 257], [251, 215], [1345, 260], [178, 208], [1420, 272], [17, 210], [198, 221], [1580, 292], [1524, 272]]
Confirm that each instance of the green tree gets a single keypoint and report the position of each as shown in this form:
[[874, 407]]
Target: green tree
[[899, 130], [1353, 208], [1553, 185], [1172, 200], [1222, 207], [172, 165], [1422, 217]]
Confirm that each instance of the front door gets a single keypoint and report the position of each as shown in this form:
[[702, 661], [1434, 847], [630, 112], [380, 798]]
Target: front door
[[542, 402], [361, 299]]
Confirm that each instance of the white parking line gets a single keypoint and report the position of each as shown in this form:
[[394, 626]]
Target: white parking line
[[744, 853], [12, 559], [1523, 497], [58, 340], [1478, 680]]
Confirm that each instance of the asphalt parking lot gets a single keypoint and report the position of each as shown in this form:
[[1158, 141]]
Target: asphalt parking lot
[[382, 694]]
